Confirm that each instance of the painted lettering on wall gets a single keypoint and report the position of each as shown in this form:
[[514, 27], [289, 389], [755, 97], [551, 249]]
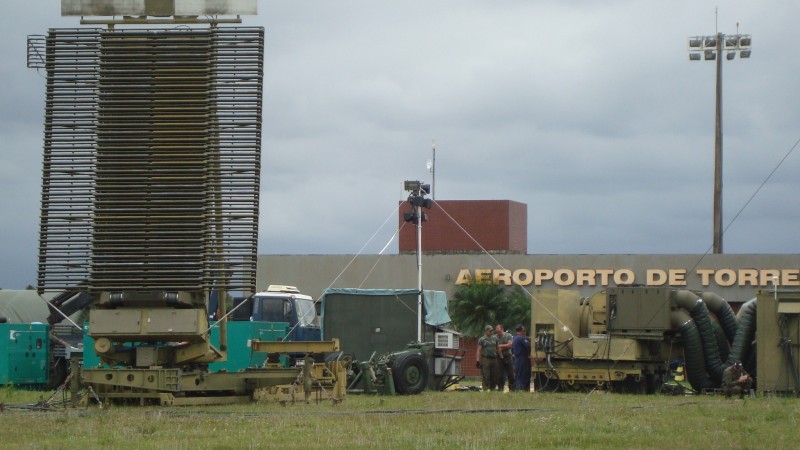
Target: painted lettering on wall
[[624, 276]]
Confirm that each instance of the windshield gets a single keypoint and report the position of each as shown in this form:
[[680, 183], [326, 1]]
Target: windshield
[[306, 314]]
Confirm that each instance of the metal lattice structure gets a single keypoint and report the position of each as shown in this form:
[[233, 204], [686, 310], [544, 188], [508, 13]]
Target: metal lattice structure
[[152, 144]]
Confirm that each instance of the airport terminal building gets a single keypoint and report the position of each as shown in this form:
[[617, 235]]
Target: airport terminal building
[[461, 240]]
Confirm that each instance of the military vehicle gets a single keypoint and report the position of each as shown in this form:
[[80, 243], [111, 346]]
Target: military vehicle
[[150, 196], [631, 339]]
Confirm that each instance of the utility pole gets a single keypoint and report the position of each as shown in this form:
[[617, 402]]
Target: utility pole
[[432, 170], [418, 201], [711, 48]]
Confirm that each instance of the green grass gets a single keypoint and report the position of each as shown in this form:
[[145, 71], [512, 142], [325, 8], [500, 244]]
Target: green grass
[[430, 420]]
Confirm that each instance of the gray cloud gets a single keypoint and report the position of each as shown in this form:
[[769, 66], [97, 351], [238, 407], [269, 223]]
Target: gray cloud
[[589, 112]]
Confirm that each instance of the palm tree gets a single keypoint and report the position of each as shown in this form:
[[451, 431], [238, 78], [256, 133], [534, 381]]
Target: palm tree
[[519, 308], [480, 303]]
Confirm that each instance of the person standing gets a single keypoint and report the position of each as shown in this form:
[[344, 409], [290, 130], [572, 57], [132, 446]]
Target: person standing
[[521, 350], [736, 381], [486, 358], [504, 339]]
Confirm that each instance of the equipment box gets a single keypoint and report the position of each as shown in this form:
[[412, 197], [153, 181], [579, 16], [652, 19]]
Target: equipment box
[[24, 353]]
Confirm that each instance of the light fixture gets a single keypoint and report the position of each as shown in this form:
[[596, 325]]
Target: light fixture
[[412, 185]]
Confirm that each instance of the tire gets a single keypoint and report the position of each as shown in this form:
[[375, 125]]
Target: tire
[[410, 373], [58, 373], [345, 358]]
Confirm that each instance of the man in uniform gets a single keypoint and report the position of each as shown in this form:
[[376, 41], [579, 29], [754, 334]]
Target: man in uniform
[[521, 349], [736, 381], [486, 358], [504, 339]]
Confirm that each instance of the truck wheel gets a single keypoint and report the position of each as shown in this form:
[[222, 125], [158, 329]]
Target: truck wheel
[[58, 373], [410, 372], [346, 358]]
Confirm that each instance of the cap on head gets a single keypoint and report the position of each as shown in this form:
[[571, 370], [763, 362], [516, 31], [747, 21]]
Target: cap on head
[[488, 328], [519, 328]]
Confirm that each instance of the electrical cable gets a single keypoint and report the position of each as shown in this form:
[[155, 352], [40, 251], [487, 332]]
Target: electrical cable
[[533, 297], [50, 305], [749, 200], [347, 266], [736, 216], [381, 253]]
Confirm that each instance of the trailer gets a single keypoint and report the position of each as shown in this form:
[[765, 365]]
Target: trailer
[[377, 329]]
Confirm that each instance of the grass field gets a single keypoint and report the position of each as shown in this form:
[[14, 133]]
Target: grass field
[[429, 420]]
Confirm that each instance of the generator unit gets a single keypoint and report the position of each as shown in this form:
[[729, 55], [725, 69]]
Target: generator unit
[[629, 338], [24, 354]]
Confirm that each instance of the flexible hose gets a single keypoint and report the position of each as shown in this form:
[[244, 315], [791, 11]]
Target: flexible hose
[[689, 301], [693, 350], [722, 340], [724, 313], [744, 335]]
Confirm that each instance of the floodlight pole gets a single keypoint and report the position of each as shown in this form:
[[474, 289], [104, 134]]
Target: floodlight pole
[[417, 200], [718, 153], [741, 43]]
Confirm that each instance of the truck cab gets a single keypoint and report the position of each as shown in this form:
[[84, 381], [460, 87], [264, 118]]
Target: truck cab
[[280, 303]]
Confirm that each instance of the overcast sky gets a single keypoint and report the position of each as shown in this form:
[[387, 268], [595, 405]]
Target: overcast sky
[[589, 112]]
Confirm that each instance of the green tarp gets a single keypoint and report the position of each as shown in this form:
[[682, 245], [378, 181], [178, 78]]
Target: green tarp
[[379, 320]]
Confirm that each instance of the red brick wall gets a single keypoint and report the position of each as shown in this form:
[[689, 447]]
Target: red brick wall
[[497, 225], [468, 363]]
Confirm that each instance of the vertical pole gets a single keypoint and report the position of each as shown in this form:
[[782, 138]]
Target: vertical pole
[[718, 153], [775, 287], [75, 382], [419, 273], [222, 310], [433, 172]]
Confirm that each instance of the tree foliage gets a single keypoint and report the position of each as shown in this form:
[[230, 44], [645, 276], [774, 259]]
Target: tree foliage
[[480, 303]]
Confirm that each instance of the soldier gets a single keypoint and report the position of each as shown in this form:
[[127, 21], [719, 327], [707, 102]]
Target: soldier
[[504, 339], [735, 380], [486, 358]]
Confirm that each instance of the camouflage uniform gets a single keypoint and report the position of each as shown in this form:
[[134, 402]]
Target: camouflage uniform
[[490, 369], [731, 384]]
